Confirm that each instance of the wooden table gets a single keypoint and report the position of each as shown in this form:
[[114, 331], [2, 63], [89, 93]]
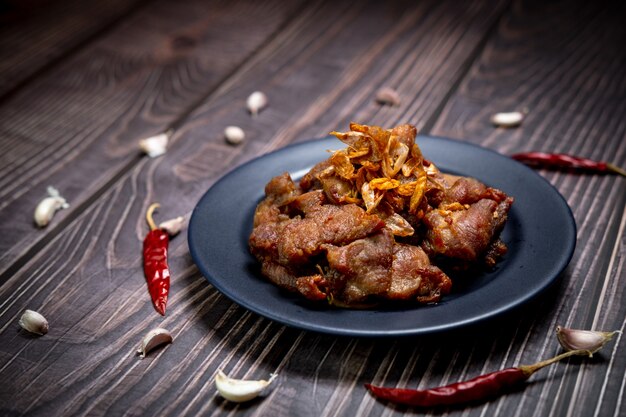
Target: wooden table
[[82, 82]]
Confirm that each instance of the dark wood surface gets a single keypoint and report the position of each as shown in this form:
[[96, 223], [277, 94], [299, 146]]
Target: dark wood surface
[[81, 83]]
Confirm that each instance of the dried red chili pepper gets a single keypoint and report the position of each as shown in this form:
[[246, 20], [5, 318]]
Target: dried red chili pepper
[[155, 265], [560, 160], [476, 389]]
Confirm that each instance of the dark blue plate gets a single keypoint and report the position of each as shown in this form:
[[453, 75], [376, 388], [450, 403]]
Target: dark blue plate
[[540, 234]]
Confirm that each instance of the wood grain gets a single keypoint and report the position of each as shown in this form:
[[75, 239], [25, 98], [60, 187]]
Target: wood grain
[[567, 70], [78, 127], [305, 105], [320, 69], [210, 332], [35, 34]]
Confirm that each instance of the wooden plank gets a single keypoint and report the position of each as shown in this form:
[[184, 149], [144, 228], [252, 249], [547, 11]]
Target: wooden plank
[[35, 34], [564, 63], [78, 127], [316, 75], [404, 58]]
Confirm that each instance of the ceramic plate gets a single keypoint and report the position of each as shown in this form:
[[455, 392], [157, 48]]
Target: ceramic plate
[[540, 235]]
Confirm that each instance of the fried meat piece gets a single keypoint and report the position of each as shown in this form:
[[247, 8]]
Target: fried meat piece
[[307, 202], [362, 268], [327, 224], [279, 275], [293, 240], [281, 190], [494, 252], [310, 286], [467, 190], [336, 189], [311, 179], [465, 233], [414, 278], [377, 266], [313, 287]]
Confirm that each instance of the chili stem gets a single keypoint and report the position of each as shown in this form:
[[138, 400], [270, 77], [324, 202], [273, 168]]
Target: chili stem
[[149, 218], [616, 169], [531, 369]]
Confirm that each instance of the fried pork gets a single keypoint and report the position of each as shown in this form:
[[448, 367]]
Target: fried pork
[[375, 222]]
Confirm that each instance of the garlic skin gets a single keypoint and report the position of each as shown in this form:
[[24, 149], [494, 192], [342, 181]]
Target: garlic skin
[[154, 338], [45, 210], [154, 145], [240, 390], [173, 226], [574, 339], [508, 119], [234, 135], [256, 102], [34, 322], [388, 96]]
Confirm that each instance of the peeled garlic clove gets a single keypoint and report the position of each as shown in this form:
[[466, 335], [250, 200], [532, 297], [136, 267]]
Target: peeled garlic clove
[[47, 207], [508, 119], [173, 226], [234, 135], [155, 145], [34, 322], [256, 102], [574, 339], [388, 96], [240, 390], [154, 338]]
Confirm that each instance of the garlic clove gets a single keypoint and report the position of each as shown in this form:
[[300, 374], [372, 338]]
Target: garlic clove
[[155, 145], [234, 135], [45, 210], [173, 226], [508, 119], [388, 96], [574, 339], [34, 322], [240, 390], [256, 102], [154, 338]]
